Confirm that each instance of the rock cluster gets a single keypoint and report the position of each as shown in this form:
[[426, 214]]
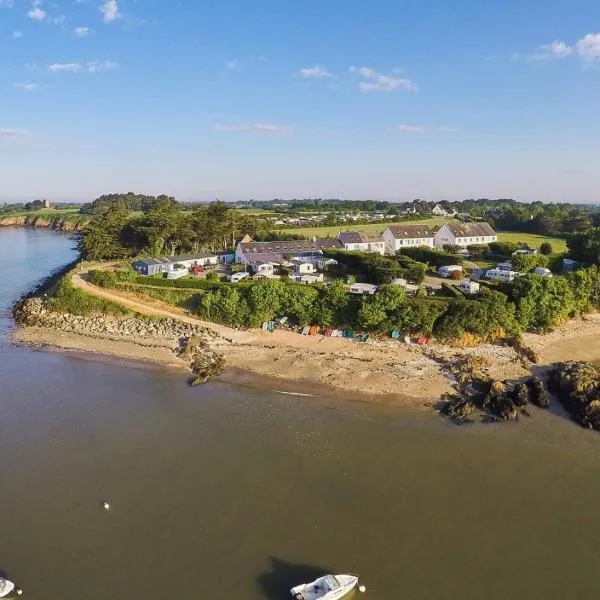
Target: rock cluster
[[190, 342], [577, 385]]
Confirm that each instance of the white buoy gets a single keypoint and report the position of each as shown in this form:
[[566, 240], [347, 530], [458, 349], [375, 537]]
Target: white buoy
[[362, 588], [19, 591], [106, 506]]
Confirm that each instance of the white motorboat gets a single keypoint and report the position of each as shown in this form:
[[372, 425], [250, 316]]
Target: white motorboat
[[6, 587], [328, 587]]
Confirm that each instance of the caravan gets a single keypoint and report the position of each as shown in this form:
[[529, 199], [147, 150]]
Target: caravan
[[501, 275]]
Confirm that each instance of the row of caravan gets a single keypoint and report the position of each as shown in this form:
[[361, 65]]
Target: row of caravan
[[502, 274]]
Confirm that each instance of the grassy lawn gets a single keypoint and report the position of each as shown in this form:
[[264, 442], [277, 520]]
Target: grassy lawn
[[372, 228], [48, 212], [533, 240]]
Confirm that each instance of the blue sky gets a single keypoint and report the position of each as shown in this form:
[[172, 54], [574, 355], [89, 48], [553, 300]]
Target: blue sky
[[238, 99]]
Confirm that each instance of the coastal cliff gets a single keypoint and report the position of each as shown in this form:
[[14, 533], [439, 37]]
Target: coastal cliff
[[56, 223]]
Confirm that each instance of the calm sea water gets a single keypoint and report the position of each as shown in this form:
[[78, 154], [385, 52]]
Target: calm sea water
[[222, 492]]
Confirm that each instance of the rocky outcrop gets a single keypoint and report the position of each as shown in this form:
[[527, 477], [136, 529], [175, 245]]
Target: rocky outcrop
[[190, 342], [56, 223], [577, 385]]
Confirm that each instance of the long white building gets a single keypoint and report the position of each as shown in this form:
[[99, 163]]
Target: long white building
[[406, 235], [464, 234]]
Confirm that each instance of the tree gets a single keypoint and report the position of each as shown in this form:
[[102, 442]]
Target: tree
[[546, 248], [102, 237], [375, 310], [585, 247], [528, 262], [335, 306], [543, 302], [485, 317]]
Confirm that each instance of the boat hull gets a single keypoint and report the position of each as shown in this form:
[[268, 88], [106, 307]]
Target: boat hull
[[6, 587]]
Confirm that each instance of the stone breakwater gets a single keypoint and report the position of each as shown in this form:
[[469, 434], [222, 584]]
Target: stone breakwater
[[189, 342]]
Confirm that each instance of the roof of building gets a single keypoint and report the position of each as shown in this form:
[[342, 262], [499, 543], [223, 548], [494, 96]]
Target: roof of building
[[470, 229], [167, 260], [288, 247], [408, 232], [265, 257], [356, 237]]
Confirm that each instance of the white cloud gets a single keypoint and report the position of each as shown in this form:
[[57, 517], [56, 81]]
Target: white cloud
[[232, 65], [93, 66], [6, 3], [12, 133], [376, 82], [37, 14], [65, 68], [407, 129], [58, 20], [256, 128], [316, 72], [419, 129], [17, 34], [81, 32], [588, 47], [109, 10], [100, 65], [28, 87], [555, 50]]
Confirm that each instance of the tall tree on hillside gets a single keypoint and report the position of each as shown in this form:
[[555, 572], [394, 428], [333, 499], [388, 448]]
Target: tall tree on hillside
[[103, 236]]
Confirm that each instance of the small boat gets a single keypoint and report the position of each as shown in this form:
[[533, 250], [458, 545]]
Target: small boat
[[328, 587], [6, 587]]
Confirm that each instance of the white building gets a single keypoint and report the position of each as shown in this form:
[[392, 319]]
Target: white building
[[354, 240], [405, 235], [464, 234], [302, 267], [363, 288], [324, 262], [499, 275], [235, 277], [468, 286], [440, 211], [308, 279]]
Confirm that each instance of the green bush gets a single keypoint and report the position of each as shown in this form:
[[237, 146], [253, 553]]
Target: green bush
[[543, 302], [110, 279], [73, 300], [503, 248], [478, 249], [546, 248], [431, 256], [527, 262], [483, 317], [193, 284]]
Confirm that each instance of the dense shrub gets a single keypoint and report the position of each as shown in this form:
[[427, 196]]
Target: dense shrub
[[424, 254], [528, 262], [451, 248], [373, 268], [110, 279], [487, 317], [478, 249], [69, 299], [503, 248], [412, 271], [546, 248], [543, 302]]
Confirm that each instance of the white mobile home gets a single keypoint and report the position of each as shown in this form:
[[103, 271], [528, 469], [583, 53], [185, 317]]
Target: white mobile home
[[235, 277], [468, 286], [543, 271], [500, 275], [363, 288]]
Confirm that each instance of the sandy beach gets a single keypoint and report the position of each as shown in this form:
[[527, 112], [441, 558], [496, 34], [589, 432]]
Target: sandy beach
[[383, 370]]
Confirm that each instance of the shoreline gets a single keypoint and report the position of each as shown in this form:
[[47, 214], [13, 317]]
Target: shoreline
[[380, 370]]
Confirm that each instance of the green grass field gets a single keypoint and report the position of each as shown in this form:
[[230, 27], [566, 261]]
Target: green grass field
[[533, 240], [373, 228]]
